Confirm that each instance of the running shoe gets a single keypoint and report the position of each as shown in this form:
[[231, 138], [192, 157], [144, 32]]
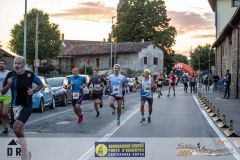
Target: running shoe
[[97, 114], [80, 119], [118, 121], [113, 111], [149, 119], [142, 120]]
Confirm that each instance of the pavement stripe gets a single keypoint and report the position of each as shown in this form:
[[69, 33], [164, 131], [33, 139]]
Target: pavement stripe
[[217, 131], [52, 115]]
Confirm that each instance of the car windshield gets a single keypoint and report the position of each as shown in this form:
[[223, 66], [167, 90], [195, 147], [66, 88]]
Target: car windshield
[[55, 82]]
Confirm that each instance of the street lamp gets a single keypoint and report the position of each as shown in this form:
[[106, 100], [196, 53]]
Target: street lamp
[[25, 32], [111, 45]]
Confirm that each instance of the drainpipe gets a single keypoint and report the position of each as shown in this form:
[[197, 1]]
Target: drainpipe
[[238, 70]]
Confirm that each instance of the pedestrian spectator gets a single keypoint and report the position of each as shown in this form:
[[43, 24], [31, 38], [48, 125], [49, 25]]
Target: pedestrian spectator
[[193, 82], [185, 81], [215, 83], [205, 82], [227, 78]]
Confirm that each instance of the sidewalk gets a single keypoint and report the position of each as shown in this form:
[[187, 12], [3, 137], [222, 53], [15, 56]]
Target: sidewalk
[[229, 107]]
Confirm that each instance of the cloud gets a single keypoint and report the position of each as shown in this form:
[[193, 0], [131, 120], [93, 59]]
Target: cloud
[[89, 11], [204, 36], [189, 21]]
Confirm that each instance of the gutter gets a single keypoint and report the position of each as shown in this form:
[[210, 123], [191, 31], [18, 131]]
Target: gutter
[[238, 71]]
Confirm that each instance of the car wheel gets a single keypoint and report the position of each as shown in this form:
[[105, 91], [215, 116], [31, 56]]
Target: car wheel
[[41, 106], [65, 100], [53, 105]]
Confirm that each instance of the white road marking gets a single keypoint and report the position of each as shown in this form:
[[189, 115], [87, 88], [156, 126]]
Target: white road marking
[[52, 115], [217, 131], [62, 123]]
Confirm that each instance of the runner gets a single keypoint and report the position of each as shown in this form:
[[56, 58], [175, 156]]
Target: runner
[[193, 82], [116, 83], [77, 83], [20, 82], [124, 90], [147, 84], [185, 82], [159, 81], [5, 100], [98, 82], [172, 79]]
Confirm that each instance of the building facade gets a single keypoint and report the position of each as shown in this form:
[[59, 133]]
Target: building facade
[[227, 47], [224, 9], [136, 56]]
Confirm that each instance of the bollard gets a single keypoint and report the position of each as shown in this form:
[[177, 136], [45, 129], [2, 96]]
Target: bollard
[[213, 114], [229, 132], [217, 118], [223, 123], [210, 109]]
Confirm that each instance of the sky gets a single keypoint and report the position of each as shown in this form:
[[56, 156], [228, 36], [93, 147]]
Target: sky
[[91, 19]]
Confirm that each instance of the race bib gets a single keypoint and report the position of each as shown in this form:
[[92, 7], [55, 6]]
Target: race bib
[[97, 86], [159, 82], [147, 88], [75, 95], [116, 88], [16, 111]]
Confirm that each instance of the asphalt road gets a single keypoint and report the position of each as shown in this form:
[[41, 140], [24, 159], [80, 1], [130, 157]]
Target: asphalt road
[[55, 134]]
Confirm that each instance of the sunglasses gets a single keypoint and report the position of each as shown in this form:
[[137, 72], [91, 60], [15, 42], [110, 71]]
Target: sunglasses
[[116, 68]]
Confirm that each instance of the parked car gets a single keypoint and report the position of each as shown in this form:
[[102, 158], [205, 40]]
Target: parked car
[[59, 87], [44, 97], [86, 91]]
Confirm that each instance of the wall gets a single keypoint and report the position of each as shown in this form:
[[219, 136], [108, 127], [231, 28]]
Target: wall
[[224, 13], [150, 52]]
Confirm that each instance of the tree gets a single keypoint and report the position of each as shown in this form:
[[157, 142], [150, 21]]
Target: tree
[[180, 58], [146, 20], [0, 45], [49, 37], [202, 53]]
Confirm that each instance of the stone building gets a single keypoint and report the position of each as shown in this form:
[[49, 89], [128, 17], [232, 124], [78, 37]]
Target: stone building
[[130, 55], [227, 43]]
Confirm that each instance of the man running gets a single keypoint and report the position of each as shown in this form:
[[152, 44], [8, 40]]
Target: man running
[[116, 83], [185, 82], [98, 82], [147, 84], [159, 81], [5, 100], [77, 83], [172, 79], [20, 82]]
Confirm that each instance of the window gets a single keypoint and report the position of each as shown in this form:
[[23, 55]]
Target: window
[[145, 60], [235, 3], [155, 61], [97, 62]]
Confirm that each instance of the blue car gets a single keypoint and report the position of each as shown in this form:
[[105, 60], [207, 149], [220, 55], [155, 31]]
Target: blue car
[[44, 97]]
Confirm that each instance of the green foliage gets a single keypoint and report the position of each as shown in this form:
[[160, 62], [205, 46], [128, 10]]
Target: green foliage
[[89, 70], [144, 20], [180, 58], [49, 37], [202, 53]]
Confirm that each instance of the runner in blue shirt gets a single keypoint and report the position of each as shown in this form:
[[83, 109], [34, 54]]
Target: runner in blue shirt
[[146, 94], [116, 82], [77, 83]]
